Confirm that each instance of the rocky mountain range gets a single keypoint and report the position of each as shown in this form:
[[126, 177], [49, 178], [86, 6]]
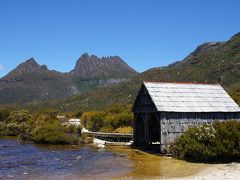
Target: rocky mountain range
[[99, 82], [90, 67], [31, 82], [213, 62]]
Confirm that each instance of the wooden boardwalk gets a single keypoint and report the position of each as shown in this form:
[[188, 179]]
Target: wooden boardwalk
[[112, 137]]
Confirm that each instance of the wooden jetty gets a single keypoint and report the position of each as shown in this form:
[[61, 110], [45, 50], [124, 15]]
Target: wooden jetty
[[111, 137]]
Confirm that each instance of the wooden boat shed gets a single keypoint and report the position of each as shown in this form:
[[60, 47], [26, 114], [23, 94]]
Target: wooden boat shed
[[162, 111]]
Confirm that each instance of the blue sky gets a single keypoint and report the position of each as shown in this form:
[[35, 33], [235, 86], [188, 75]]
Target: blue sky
[[145, 33]]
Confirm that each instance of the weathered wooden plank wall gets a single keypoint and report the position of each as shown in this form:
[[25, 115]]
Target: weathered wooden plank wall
[[173, 124]]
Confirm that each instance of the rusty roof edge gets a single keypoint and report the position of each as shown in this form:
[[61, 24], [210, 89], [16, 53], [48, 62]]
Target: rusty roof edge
[[168, 82]]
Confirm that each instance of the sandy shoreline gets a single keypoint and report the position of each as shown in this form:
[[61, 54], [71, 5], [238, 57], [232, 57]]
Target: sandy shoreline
[[217, 171], [212, 172]]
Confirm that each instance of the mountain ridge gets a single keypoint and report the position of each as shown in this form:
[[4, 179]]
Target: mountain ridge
[[88, 67], [30, 81], [209, 63], [217, 62]]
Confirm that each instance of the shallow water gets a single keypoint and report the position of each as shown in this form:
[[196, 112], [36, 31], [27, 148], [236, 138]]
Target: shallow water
[[21, 160], [145, 165]]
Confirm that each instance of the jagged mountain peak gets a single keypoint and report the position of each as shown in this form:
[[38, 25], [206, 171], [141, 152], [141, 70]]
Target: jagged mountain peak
[[88, 67], [31, 61], [86, 56], [28, 67]]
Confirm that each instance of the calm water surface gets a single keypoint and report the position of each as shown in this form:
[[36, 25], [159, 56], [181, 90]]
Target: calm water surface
[[21, 160]]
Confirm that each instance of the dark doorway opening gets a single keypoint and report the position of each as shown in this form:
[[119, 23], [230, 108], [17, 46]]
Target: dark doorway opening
[[140, 131], [154, 133]]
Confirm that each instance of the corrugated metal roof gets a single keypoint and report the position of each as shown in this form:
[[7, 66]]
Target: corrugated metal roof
[[183, 97]]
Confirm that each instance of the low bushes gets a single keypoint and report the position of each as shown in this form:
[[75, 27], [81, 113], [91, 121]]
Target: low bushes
[[55, 134], [44, 127], [14, 123], [114, 117], [40, 128], [4, 114], [49, 130], [209, 143], [125, 130], [94, 120]]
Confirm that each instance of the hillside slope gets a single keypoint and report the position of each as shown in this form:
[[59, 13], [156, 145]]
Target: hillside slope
[[211, 62]]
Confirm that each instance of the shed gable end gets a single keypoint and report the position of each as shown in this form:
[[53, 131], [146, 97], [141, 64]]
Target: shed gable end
[[143, 102]]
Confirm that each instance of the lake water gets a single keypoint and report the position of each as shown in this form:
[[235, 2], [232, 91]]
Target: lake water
[[21, 160]]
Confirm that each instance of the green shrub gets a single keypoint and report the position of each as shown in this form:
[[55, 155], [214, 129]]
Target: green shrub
[[93, 121], [15, 123], [3, 131], [125, 130], [47, 129], [217, 142], [25, 131], [41, 128], [107, 128], [21, 116], [54, 133], [109, 120], [4, 114], [72, 129]]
